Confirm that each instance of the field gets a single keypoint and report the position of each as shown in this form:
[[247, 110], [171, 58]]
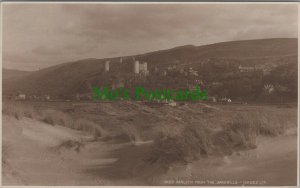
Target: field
[[137, 143]]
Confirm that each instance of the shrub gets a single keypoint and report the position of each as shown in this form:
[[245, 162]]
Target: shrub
[[55, 117], [131, 132], [70, 144], [19, 111], [52, 117], [193, 142], [270, 125], [197, 140], [168, 151], [259, 123], [241, 132], [90, 127], [236, 135]]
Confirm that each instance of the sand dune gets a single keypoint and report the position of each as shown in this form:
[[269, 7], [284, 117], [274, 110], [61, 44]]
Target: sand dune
[[274, 162], [35, 153]]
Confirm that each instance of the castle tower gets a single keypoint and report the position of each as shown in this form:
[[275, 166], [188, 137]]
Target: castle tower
[[106, 66], [145, 66], [136, 67]]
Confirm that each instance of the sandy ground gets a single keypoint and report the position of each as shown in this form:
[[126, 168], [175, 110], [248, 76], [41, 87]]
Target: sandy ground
[[32, 156], [274, 163]]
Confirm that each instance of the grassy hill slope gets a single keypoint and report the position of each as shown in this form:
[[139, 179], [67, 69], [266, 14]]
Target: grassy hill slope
[[213, 62]]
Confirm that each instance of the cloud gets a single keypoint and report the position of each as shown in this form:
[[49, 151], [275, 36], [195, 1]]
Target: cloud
[[55, 33], [44, 50]]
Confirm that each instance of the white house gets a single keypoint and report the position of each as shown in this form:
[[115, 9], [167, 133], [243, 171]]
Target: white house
[[20, 96]]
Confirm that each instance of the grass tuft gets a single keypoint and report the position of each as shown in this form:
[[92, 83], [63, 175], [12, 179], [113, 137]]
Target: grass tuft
[[90, 127], [53, 117], [194, 141]]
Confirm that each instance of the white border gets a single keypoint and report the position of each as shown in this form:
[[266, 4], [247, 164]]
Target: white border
[[126, 2], [1, 42], [247, 3]]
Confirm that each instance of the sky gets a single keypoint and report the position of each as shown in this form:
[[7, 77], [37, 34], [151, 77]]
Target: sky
[[37, 36]]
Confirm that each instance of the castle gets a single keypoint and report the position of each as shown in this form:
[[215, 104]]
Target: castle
[[138, 68]]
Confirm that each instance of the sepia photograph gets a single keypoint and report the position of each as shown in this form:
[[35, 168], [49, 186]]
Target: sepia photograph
[[149, 94]]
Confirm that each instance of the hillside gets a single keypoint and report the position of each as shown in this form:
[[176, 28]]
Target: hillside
[[13, 74], [214, 63], [235, 50]]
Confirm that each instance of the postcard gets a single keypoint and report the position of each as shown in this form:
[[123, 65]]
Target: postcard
[[149, 94]]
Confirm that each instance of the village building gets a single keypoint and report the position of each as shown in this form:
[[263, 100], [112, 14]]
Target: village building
[[84, 96], [217, 84], [172, 67], [107, 66], [269, 88], [144, 68], [141, 68], [212, 99], [181, 71], [193, 72], [20, 96], [164, 73], [226, 100], [47, 97], [281, 88], [247, 69], [136, 68]]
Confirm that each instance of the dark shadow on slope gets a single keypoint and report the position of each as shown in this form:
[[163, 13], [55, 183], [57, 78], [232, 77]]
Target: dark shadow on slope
[[131, 163]]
